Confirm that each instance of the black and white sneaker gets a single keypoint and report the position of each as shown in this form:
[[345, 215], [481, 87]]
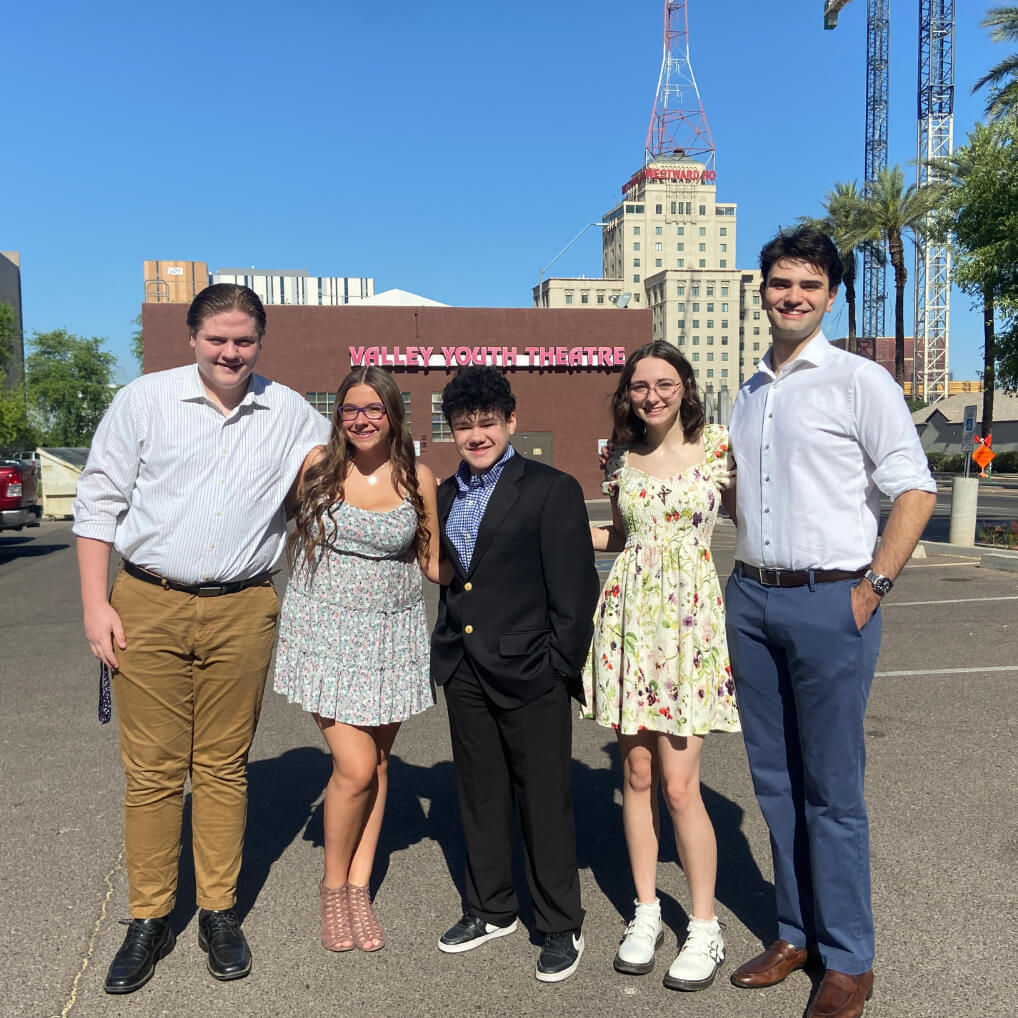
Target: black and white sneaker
[[470, 932], [559, 956]]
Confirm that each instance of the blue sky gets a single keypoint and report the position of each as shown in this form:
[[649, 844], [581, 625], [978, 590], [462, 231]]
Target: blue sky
[[448, 148]]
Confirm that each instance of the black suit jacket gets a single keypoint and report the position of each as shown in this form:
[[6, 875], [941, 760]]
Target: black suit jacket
[[522, 613]]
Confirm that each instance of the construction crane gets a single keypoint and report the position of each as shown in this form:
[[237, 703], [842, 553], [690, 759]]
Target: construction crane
[[935, 134], [930, 359]]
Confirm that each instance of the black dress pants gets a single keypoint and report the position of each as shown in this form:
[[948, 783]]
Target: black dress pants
[[505, 756]]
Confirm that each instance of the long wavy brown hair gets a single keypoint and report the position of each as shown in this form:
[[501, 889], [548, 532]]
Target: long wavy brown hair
[[321, 491]]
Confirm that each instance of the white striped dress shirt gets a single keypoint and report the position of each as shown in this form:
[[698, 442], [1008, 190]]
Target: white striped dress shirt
[[186, 492], [815, 445]]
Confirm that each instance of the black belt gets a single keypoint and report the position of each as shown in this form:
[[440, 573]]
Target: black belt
[[199, 589], [796, 577]]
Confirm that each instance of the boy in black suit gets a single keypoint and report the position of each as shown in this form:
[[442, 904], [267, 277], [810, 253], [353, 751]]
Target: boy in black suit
[[512, 634]]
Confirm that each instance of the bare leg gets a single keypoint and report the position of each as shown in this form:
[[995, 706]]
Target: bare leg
[[354, 798], [679, 760], [640, 810]]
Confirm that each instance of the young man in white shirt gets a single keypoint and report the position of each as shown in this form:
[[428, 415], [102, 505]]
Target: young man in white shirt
[[817, 434], [186, 479]]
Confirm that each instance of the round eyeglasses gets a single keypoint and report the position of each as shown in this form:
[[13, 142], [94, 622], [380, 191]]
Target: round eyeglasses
[[373, 411], [665, 389]]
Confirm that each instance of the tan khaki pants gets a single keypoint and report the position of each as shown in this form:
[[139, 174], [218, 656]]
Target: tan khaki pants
[[188, 694]]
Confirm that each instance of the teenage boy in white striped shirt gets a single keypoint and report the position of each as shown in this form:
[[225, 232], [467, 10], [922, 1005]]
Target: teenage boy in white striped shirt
[[186, 479]]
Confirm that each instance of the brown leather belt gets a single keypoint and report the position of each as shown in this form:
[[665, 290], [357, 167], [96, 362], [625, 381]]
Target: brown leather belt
[[796, 577], [196, 589]]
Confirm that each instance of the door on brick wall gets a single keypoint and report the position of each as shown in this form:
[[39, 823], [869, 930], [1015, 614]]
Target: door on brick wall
[[535, 445]]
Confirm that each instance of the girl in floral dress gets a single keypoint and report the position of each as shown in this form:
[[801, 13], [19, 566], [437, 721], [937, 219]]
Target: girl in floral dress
[[353, 644], [658, 670]]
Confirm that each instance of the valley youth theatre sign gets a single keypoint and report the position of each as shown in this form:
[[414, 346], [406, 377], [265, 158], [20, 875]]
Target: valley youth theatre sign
[[500, 356]]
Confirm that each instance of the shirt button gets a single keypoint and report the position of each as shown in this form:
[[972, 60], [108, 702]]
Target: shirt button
[[767, 509], [770, 415], [767, 478], [468, 585], [767, 542], [468, 630]]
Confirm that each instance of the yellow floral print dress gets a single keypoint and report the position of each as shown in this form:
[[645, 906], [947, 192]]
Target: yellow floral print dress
[[659, 658]]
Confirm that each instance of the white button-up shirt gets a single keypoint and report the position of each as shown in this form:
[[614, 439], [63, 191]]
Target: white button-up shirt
[[191, 494], [815, 445]]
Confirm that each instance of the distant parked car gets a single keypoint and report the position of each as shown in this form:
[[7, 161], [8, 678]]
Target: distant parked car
[[19, 494]]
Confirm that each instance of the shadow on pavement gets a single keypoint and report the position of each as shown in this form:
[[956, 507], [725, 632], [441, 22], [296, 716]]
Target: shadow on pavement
[[25, 547], [282, 792]]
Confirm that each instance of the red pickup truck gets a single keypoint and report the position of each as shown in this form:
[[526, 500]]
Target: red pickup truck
[[19, 495]]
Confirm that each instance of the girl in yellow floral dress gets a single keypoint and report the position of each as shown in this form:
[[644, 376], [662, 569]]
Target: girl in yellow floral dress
[[658, 670]]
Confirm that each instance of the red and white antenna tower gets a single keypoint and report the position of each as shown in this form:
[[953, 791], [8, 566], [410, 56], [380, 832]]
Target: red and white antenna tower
[[678, 123]]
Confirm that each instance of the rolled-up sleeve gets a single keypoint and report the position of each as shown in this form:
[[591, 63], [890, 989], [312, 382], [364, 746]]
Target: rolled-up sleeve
[[888, 435], [106, 484]]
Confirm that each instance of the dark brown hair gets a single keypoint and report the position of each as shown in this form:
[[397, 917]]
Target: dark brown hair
[[321, 491], [220, 297], [803, 244], [627, 427]]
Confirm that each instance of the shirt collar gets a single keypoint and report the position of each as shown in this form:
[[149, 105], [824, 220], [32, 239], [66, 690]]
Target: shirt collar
[[812, 355], [191, 389], [466, 481]]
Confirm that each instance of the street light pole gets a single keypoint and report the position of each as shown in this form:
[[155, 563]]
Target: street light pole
[[542, 271]]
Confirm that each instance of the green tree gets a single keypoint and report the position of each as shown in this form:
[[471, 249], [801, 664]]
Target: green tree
[[138, 345], [884, 214], [69, 381], [980, 215], [8, 335], [1003, 77], [16, 432]]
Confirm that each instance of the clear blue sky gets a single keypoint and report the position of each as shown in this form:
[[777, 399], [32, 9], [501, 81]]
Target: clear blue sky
[[448, 148]]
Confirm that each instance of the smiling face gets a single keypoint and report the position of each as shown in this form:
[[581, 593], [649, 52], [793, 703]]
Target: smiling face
[[481, 437], [655, 392], [364, 434], [796, 296], [226, 348]]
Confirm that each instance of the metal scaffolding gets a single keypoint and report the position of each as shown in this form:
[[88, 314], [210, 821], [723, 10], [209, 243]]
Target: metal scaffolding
[[878, 31]]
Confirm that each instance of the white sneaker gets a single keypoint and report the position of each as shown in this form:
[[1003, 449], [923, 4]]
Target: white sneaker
[[700, 958], [643, 937]]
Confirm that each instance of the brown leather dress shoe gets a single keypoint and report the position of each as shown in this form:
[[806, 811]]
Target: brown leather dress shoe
[[769, 968], [841, 995]]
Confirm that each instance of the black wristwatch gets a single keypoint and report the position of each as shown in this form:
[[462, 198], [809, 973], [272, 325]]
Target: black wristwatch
[[881, 584]]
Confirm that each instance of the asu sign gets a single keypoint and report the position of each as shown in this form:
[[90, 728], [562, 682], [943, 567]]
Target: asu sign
[[509, 357]]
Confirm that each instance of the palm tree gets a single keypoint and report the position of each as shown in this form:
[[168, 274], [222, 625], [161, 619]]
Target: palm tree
[[1003, 78], [840, 204], [884, 213]]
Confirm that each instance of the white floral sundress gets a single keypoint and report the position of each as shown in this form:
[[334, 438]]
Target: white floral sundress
[[659, 658]]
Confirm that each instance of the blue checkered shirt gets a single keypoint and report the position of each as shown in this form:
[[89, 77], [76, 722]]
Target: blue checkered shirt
[[472, 498]]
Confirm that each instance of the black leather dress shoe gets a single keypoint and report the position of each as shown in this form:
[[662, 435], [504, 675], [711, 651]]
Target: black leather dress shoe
[[146, 942], [219, 933]]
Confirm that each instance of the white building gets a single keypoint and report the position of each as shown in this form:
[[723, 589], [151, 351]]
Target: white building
[[670, 245], [297, 287]]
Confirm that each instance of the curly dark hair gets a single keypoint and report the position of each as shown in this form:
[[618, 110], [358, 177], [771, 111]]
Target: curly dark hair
[[627, 427], [804, 244], [321, 490], [478, 388]]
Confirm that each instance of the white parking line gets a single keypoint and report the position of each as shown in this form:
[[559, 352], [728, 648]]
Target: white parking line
[[948, 671], [959, 600]]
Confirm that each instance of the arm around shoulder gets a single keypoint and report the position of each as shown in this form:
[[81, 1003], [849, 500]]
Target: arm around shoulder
[[432, 565]]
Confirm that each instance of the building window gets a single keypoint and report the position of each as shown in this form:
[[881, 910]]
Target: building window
[[440, 430], [724, 263], [756, 299], [636, 263], [657, 246], [724, 291], [600, 298], [657, 263], [756, 331], [658, 209], [724, 323], [702, 232], [724, 341], [680, 246], [696, 306], [696, 323], [724, 307], [724, 372], [724, 355], [710, 355], [710, 323], [673, 208], [710, 305], [658, 230], [636, 296], [696, 356], [636, 231], [636, 279], [710, 340], [636, 245], [724, 249], [323, 402], [756, 346], [680, 263], [680, 231], [703, 210], [702, 263], [682, 307], [406, 410], [696, 341], [701, 247], [694, 291], [724, 231], [584, 299], [756, 316]]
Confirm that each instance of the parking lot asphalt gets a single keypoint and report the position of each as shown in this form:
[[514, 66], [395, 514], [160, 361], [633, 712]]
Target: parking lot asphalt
[[941, 731]]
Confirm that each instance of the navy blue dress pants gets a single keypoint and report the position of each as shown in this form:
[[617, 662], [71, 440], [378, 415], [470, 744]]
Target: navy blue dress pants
[[803, 672]]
